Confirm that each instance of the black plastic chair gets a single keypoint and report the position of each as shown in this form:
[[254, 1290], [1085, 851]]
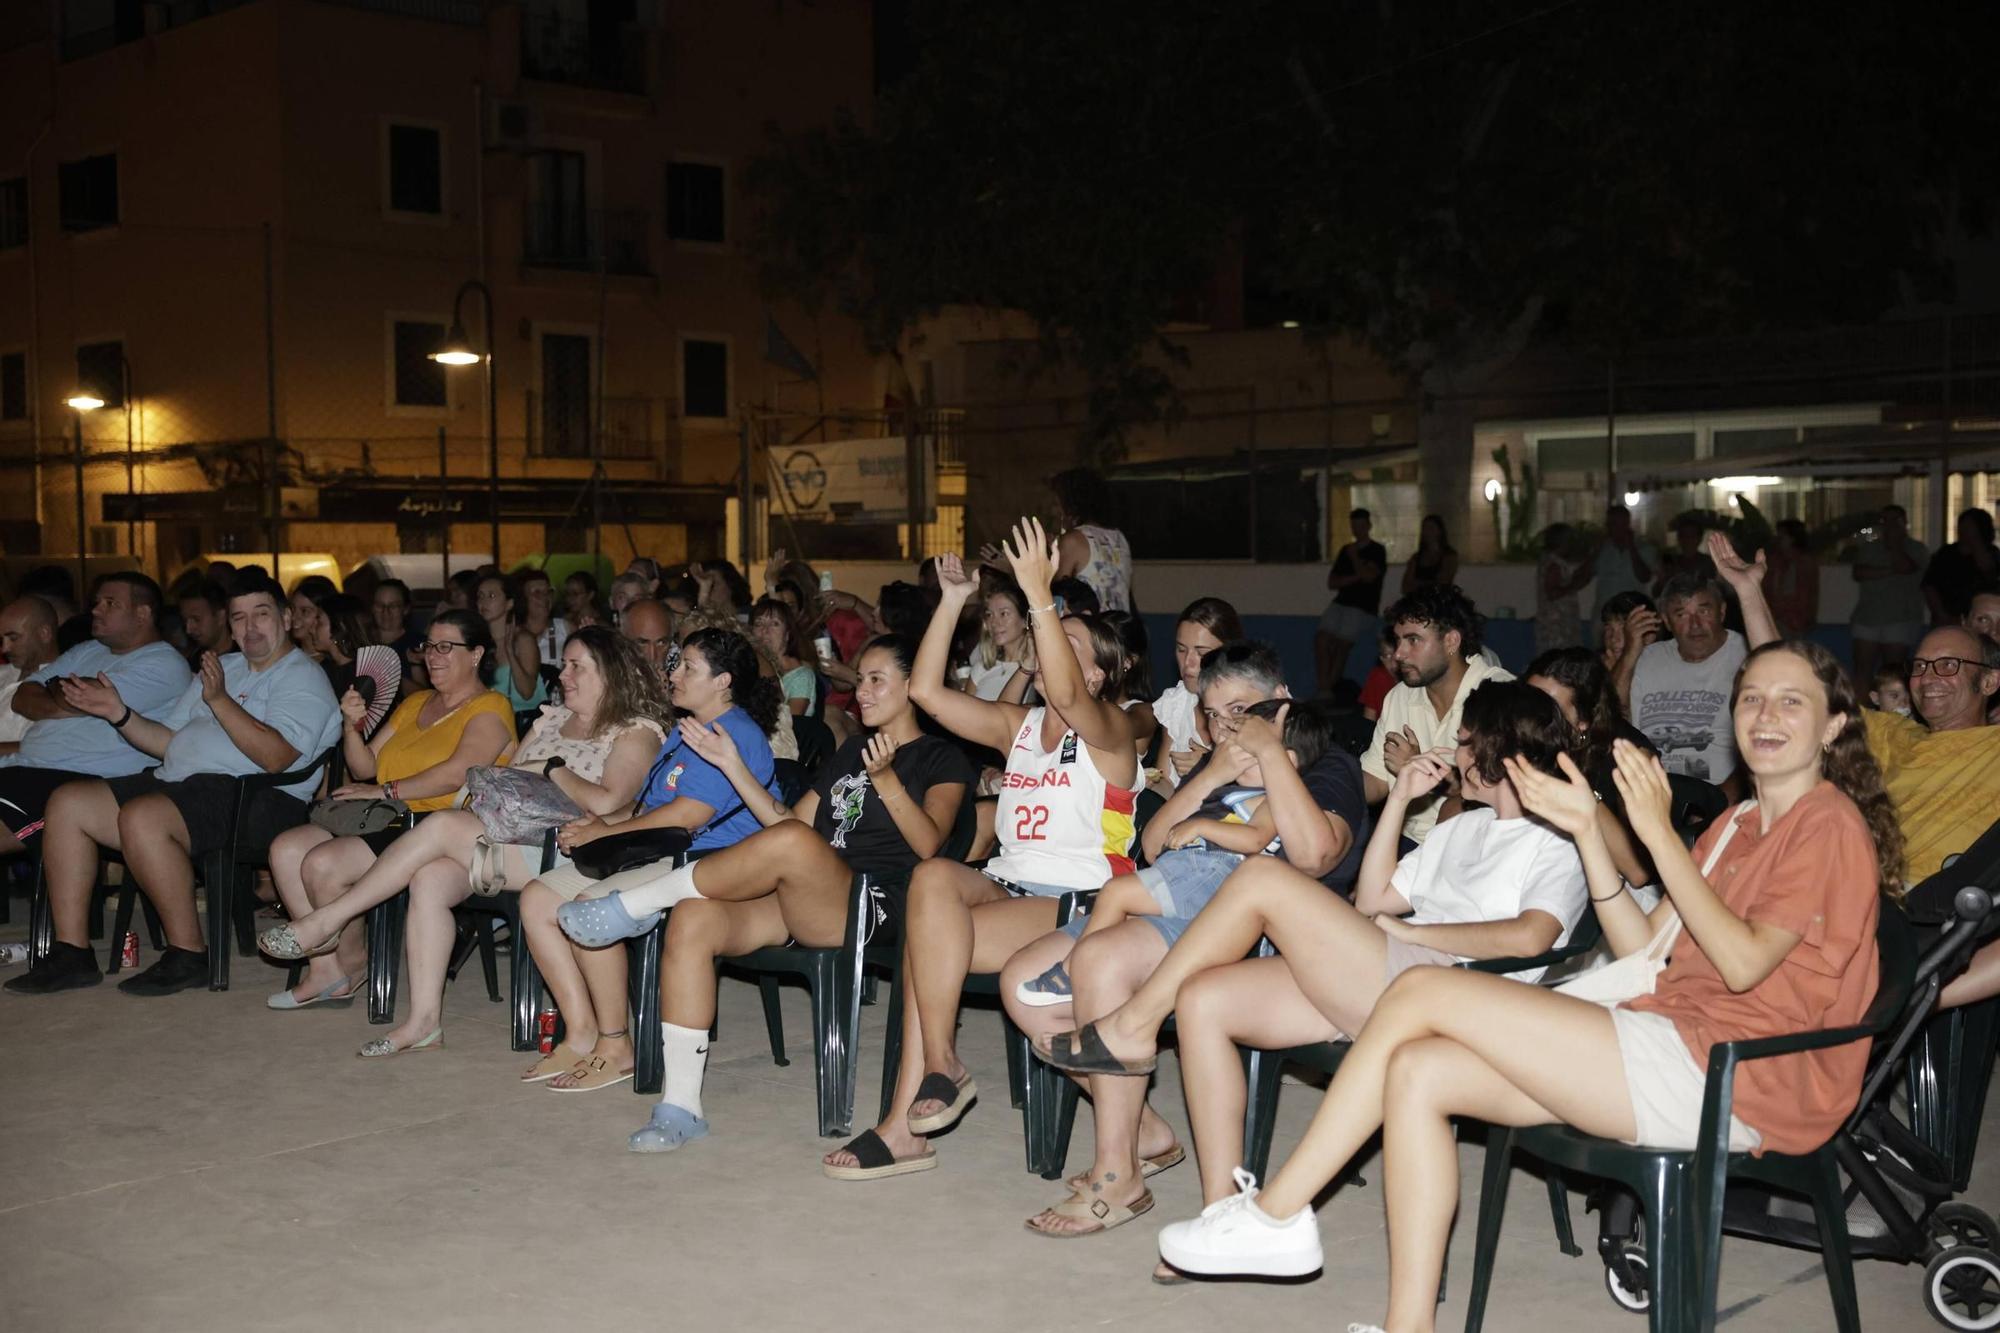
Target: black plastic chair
[[1264, 1069], [1683, 1192], [815, 740]]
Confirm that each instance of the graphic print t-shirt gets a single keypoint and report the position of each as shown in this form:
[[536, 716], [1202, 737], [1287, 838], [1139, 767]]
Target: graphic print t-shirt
[[1683, 707], [851, 816]]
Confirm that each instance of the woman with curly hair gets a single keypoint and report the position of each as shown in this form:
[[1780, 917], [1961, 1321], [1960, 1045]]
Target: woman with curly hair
[[1776, 908]]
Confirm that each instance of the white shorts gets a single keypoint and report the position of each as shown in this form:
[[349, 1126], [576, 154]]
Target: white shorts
[[1666, 1085]]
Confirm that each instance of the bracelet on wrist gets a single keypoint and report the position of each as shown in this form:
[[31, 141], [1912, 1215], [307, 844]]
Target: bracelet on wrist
[[389, 790], [119, 725], [1037, 610]]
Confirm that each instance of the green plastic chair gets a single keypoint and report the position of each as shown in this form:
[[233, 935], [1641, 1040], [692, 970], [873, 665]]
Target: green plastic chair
[[1682, 1193]]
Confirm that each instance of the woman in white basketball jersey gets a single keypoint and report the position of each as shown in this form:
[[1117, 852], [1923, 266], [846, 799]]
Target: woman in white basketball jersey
[[1064, 822]]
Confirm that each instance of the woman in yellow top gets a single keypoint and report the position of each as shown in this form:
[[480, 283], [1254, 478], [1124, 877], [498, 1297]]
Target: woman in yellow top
[[418, 756]]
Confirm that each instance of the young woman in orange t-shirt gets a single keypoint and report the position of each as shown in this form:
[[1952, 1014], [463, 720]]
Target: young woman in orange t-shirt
[[1778, 937]]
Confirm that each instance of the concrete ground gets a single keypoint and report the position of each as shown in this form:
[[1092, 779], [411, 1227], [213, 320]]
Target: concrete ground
[[199, 1162]]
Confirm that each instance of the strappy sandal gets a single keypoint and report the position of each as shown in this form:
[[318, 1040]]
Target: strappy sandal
[[1084, 1052], [1050, 988], [592, 1074], [876, 1161], [1148, 1167], [953, 1097], [558, 1061], [1102, 1212]]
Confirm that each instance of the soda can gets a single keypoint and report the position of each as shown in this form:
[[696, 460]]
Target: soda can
[[129, 954], [546, 1027]]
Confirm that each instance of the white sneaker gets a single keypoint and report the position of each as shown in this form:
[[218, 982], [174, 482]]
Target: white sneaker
[[1235, 1236]]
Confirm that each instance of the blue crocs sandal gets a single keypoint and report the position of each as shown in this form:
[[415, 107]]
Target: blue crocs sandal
[[598, 923], [670, 1127], [1052, 987]]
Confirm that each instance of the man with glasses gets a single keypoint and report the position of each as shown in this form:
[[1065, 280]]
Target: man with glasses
[[1944, 779], [1437, 664]]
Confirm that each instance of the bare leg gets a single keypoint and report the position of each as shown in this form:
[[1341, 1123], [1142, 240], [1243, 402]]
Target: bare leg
[[787, 856], [556, 960], [699, 931], [157, 853], [287, 856], [428, 935], [1328, 943], [81, 817], [328, 871], [448, 834], [1979, 981], [997, 928]]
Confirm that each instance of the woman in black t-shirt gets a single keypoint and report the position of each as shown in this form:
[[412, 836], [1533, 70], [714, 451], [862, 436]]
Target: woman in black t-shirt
[[882, 803]]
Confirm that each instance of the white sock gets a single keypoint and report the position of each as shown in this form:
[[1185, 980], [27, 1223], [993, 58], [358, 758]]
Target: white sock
[[687, 1060], [664, 892]]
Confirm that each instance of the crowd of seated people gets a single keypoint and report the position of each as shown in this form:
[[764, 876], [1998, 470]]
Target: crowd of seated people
[[981, 743]]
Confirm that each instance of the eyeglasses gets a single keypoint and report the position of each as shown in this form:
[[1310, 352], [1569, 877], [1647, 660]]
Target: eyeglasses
[[1943, 666], [439, 647]]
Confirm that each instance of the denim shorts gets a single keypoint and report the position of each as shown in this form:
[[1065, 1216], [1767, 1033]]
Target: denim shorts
[[1182, 883]]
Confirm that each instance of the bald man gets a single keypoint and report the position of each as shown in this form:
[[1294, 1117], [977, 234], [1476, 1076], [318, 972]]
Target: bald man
[[649, 628], [27, 643]]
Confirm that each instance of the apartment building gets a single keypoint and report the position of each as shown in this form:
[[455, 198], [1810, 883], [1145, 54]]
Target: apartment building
[[245, 225]]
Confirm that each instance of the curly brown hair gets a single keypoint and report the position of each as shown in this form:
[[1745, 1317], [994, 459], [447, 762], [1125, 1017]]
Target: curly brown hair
[[632, 690], [1847, 764]]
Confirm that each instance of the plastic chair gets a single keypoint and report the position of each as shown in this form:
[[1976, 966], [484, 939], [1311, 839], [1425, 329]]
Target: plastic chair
[[815, 740], [526, 991], [1683, 1192], [1263, 1069]]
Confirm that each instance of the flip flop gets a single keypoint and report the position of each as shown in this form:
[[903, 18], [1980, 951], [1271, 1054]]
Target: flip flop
[[1103, 1212], [1148, 1167], [597, 1075], [954, 1096], [558, 1061], [283, 943], [1084, 1052], [284, 999], [876, 1161]]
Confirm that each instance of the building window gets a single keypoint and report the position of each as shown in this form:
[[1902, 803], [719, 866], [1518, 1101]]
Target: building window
[[566, 393], [416, 169], [704, 378], [558, 220], [695, 208], [13, 213], [419, 381], [13, 386], [87, 192], [100, 371]]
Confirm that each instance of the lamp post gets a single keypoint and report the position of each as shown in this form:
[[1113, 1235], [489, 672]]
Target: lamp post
[[82, 401], [456, 350]]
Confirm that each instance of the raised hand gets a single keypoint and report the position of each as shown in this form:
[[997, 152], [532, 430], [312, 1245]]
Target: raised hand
[[1737, 572], [1649, 799], [1261, 738], [712, 743], [1033, 555], [877, 753], [212, 687], [1419, 774], [98, 697], [1565, 802], [953, 580], [989, 554]]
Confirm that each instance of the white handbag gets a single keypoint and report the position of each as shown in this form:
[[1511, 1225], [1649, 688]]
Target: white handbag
[[1637, 973]]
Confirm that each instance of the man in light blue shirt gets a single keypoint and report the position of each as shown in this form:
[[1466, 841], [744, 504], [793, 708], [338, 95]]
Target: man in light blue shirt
[[266, 709], [63, 744]]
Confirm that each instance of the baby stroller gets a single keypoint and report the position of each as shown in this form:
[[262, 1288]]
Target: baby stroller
[[1907, 1172]]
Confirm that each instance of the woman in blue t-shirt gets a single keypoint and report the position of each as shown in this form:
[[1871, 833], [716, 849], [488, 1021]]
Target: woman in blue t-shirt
[[682, 790], [881, 804]]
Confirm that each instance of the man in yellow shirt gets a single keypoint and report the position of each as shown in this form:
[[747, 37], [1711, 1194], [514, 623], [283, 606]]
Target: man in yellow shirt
[[1944, 780]]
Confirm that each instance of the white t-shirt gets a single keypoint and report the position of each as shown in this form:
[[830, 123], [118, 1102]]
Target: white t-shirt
[[150, 680], [1683, 707], [988, 681], [1176, 710], [12, 725], [1410, 706], [1480, 867], [291, 696]]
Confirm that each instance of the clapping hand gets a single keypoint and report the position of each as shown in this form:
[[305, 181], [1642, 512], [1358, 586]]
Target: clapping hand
[[1649, 799], [712, 743], [1566, 802], [1398, 748], [877, 753], [98, 697], [1420, 773], [212, 686]]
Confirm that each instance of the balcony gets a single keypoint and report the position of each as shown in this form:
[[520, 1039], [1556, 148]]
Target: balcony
[[586, 240], [603, 55], [633, 429]]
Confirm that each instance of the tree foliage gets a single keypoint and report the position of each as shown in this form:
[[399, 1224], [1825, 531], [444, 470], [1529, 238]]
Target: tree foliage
[[1423, 173]]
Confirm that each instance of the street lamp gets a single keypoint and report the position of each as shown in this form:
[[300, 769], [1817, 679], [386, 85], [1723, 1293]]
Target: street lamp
[[456, 350]]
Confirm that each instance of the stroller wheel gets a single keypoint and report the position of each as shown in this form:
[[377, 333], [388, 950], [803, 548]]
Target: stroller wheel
[[1629, 1279], [1955, 1223], [1962, 1288]]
